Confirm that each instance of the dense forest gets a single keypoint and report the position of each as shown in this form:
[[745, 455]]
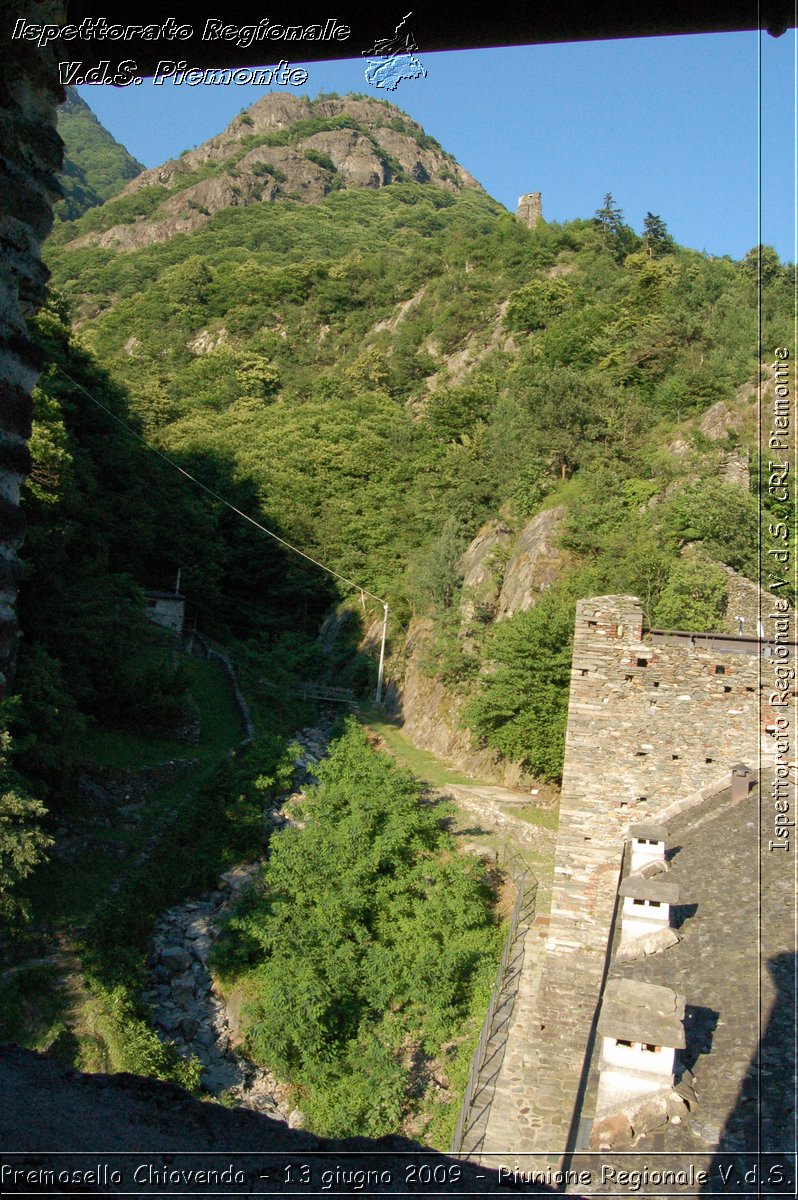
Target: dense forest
[[95, 166], [374, 373]]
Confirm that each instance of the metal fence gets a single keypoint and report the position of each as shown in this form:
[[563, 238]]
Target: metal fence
[[522, 915]]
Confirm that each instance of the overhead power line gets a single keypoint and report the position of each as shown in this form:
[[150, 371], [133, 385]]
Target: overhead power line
[[216, 496]]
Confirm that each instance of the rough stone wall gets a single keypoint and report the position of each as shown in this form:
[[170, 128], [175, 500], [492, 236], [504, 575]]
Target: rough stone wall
[[744, 599], [648, 717], [529, 209], [648, 723], [30, 156]]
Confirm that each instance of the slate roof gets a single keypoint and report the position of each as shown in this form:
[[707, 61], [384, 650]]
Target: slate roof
[[735, 965]]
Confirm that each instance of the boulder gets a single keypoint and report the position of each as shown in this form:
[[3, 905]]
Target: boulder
[[189, 1027], [175, 959]]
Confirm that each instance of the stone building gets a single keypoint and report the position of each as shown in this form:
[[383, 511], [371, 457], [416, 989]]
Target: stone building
[[31, 154], [658, 724], [529, 210], [167, 609]]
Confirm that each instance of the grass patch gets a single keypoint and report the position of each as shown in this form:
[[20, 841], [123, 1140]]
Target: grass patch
[[423, 763], [545, 818]]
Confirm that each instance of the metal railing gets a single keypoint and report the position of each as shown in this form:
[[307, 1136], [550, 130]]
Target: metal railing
[[333, 695], [523, 912]]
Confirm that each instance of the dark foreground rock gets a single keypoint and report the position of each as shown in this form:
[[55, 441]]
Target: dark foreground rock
[[139, 1136]]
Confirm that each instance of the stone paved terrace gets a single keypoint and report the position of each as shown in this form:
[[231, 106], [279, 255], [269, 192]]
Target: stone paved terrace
[[737, 921]]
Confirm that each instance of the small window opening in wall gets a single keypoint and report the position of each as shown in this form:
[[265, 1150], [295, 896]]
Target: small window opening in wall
[[720, 670], [750, 689], [642, 662], [655, 903], [641, 753], [591, 624], [656, 683], [642, 799], [709, 760], [640, 903], [726, 687], [651, 1049], [583, 671], [628, 678], [674, 757], [623, 1042]]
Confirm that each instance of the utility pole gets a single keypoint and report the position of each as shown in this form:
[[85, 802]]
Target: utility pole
[[382, 655], [177, 585]]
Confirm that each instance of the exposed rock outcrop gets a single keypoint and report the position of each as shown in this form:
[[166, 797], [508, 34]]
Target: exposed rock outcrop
[[430, 716], [233, 170], [475, 348], [506, 574], [535, 563]]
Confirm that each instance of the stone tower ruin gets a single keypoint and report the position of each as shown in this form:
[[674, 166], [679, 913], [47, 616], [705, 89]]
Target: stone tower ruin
[[529, 210]]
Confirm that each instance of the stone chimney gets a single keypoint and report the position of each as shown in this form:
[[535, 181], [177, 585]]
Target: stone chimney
[[648, 845], [529, 210], [641, 1027], [646, 906]]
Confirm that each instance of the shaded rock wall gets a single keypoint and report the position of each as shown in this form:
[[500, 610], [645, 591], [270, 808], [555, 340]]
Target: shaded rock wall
[[31, 153], [430, 717], [54, 1116]]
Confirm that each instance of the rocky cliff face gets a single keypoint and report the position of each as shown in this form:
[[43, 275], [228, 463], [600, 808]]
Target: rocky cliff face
[[535, 563], [504, 573], [283, 147]]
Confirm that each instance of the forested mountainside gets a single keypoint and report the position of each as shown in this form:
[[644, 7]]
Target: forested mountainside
[[96, 166], [391, 364], [325, 320]]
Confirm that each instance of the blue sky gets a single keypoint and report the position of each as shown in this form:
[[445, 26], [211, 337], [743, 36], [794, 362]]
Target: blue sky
[[668, 125]]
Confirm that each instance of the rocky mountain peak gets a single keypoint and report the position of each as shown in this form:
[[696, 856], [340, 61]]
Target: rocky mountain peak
[[284, 147]]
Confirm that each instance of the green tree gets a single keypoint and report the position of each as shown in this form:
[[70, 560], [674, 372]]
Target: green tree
[[537, 303], [722, 517], [617, 238], [694, 596], [761, 266], [521, 707], [369, 933], [437, 573], [23, 841], [656, 238]]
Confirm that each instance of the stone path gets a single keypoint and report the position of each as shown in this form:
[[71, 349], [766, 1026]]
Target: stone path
[[487, 802], [489, 1124]]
